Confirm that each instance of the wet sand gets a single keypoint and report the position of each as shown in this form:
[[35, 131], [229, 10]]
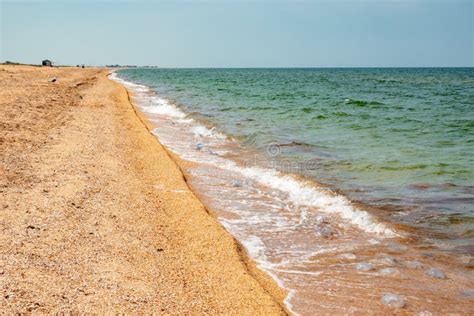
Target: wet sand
[[95, 216]]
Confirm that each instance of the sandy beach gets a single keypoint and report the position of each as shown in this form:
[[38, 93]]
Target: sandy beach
[[97, 217]]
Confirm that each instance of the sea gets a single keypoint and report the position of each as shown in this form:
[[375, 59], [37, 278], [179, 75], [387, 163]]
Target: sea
[[344, 184]]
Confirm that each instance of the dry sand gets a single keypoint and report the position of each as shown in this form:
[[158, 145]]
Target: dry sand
[[96, 217]]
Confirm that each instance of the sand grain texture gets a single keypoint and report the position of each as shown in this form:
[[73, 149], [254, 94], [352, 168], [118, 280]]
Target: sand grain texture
[[96, 217]]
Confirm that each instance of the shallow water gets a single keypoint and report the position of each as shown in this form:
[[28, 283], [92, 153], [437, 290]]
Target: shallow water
[[272, 148], [401, 140]]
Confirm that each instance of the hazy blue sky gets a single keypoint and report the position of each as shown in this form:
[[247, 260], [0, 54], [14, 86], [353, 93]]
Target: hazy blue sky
[[240, 33]]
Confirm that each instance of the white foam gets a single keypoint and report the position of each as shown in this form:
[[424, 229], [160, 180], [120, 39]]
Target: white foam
[[287, 301], [313, 273], [186, 120], [114, 77], [161, 106], [305, 195], [155, 104], [255, 247], [132, 86], [200, 131]]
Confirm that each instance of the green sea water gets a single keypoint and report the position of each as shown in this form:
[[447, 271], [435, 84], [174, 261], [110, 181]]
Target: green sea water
[[400, 141]]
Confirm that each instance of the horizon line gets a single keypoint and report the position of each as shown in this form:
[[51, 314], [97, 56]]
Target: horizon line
[[111, 65]]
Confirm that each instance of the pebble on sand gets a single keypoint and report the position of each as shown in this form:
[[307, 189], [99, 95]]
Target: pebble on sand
[[389, 271], [237, 184], [468, 293], [390, 261], [397, 247], [364, 266], [436, 273], [326, 232], [414, 264], [348, 256], [199, 146], [393, 300]]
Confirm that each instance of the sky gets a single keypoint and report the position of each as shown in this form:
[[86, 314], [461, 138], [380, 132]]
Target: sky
[[351, 33]]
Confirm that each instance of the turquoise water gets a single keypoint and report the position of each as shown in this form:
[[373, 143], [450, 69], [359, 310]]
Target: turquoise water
[[400, 141]]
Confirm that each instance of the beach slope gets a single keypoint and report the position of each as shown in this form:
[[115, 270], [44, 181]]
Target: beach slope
[[96, 217]]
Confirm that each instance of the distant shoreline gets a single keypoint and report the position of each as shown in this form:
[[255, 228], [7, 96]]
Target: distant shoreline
[[117, 66]]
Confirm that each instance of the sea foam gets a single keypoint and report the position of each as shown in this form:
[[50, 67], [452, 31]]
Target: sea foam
[[200, 131], [161, 106], [305, 195]]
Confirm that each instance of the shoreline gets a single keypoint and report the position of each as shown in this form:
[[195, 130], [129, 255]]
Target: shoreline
[[266, 281], [389, 263], [98, 210]]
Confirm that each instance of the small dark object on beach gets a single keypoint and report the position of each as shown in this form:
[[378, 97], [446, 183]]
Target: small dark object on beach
[[390, 261], [54, 80], [236, 184], [326, 232], [47, 63]]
